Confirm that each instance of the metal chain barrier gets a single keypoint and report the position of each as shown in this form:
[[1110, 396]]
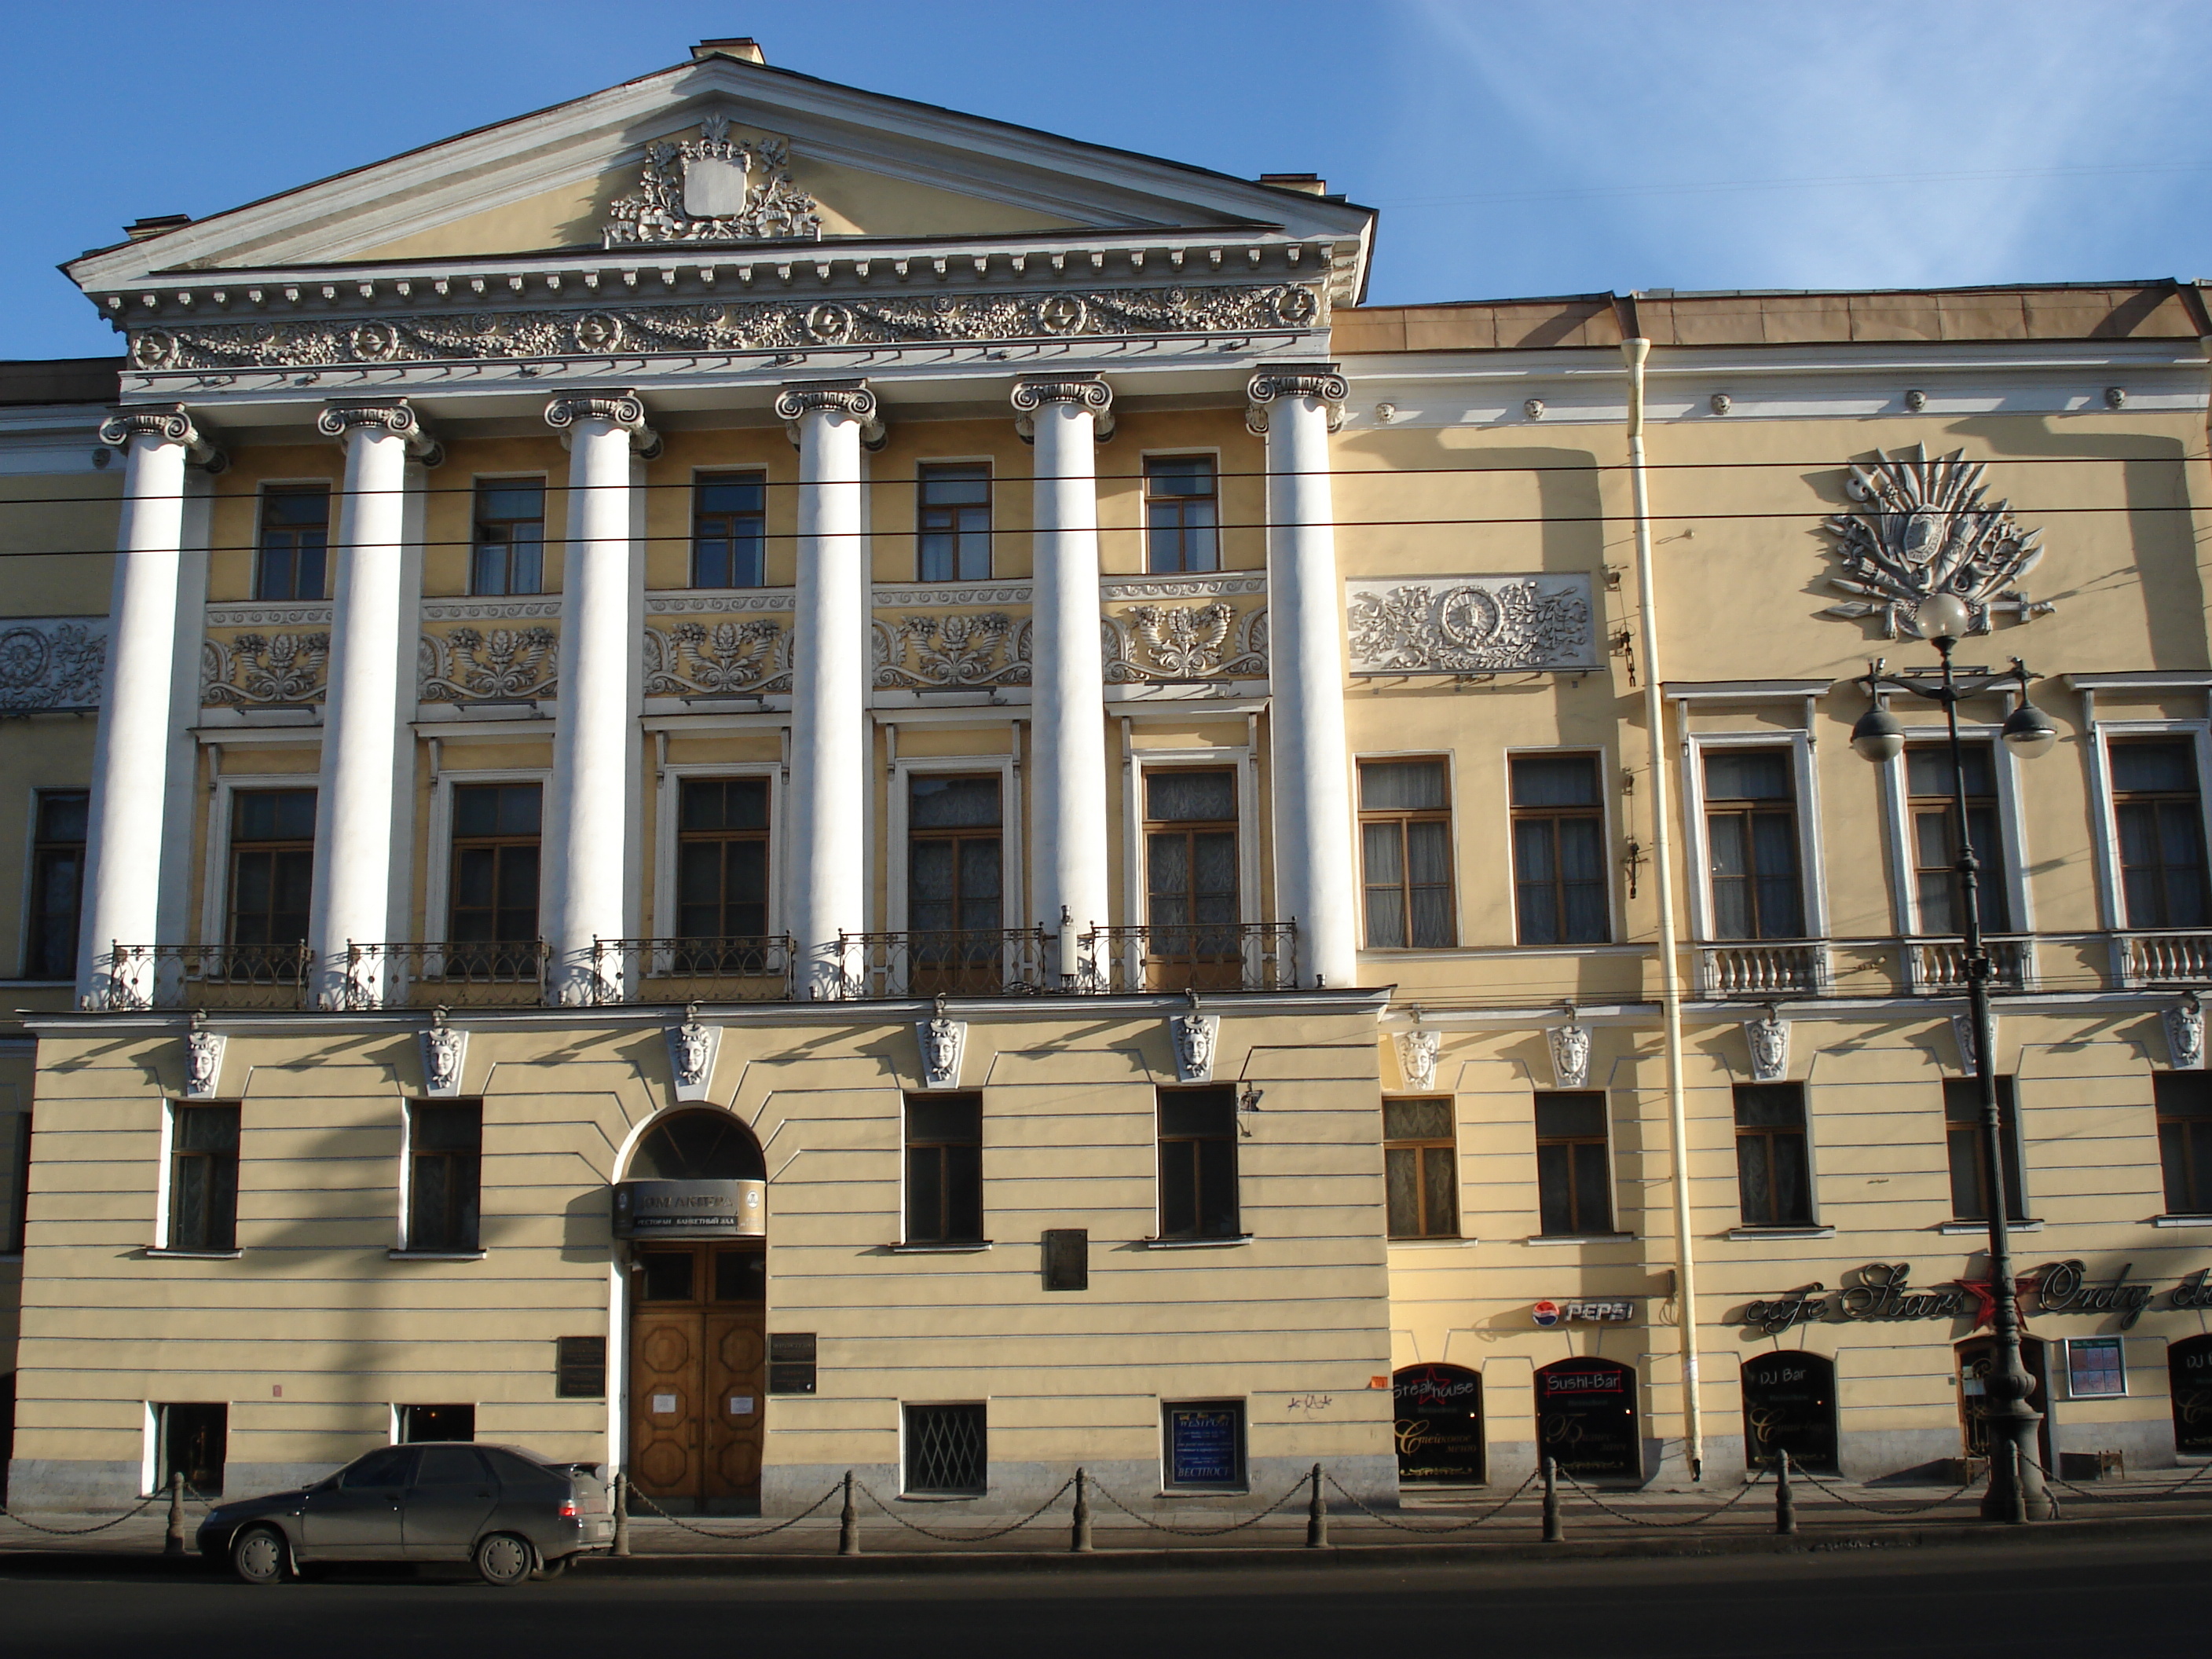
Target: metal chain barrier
[[1303, 1484], [144, 1505], [983, 1537], [1799, 1472], [1457, 1526], [2123, 1496], [1688, 1521], [736, 1537]]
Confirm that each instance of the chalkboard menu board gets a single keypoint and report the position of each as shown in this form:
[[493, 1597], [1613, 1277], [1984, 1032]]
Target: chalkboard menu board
[[1586, 1417], [1439, 1425], [1206, 1445]]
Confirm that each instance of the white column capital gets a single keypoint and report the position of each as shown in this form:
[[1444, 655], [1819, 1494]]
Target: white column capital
[[1323, 382], [163, 423], [396, 415], [624, 410], [854, 399], [1087, 392]]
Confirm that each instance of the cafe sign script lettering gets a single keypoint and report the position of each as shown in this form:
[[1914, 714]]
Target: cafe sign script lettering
[[2061, 1287]]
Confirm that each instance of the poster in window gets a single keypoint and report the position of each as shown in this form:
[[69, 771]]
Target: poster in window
[[2096, 1367], [1586, 1417], [1790, 1406], [1438, 1425], [1204, 1445]]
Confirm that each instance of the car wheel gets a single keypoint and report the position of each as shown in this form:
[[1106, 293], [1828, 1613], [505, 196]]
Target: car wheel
[[257, 1555], [554, 1568], [504, 1560]]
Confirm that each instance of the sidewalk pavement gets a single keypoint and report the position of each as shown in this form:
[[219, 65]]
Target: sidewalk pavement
[[1444, 1527]]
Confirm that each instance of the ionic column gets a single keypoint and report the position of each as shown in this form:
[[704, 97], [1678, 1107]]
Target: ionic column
[[130, 752], [829, 421], [1315, 878], [1065, 418], [588, 811], [358, 812]]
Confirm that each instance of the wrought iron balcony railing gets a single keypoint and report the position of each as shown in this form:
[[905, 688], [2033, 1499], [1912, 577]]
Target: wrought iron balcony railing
[[455, 973], [731, 970], [1243, 956], [243, 977], [967, 962]]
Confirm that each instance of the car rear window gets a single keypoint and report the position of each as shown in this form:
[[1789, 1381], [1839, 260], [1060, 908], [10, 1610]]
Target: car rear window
[[519, 1471]]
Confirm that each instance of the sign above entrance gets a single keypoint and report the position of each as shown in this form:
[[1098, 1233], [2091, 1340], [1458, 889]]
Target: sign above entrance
[[691, 1209], [1882, 1291]]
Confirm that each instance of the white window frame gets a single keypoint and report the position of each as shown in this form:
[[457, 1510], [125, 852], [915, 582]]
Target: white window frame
[[1811, 876], [215, 885], [438, 879], [1384, 758], [1243, 758], [668, 806], [990, 463], [1169, 452], [2112, 883], [2099, 1342], [690, 529], [149, 1459], [1606, 768], [2008, 863], [1013, 901], [547, 542], [166, 1144]]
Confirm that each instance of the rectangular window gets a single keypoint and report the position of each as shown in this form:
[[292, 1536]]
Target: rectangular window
[[290, 562], [420, 1422], [1183, 516], [1932, 790], [579, 1368], [191, 1439], [1773, 1171], [15, 1131], [494, 891], [2160, 815], [1404, 848], [1420, 1177], [1751, 824], [947, 1451], [1190, 871], [954, 884], [203, 1177], [1558, 851], [944, 1169], [272, 865], [1965, 1141], [953, 523], [729, 529], [1204, 1445], [2184, 1140], [2096, 1367], [721, 859], [510, 536], [1198, 1164], [56, 883], [1574, 1170], [444, 1175]]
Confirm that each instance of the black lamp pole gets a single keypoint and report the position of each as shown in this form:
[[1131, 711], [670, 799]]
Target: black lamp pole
[[2016, 1491]]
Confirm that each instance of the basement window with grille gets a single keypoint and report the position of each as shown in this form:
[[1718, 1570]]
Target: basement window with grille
[[947, 1451]]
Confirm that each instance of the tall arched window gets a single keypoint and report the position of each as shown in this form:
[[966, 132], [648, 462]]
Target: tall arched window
[[698, 1145], [1790, 1406]]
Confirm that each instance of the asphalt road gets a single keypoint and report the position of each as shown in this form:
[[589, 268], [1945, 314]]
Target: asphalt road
[[2071, 1599]]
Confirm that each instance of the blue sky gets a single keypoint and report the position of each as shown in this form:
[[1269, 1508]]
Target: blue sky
[[1516, 147]]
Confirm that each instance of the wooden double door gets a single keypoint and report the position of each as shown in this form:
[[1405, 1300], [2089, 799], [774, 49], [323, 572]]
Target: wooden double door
[[697, 1371]]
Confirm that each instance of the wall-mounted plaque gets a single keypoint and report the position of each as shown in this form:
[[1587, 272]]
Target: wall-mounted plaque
[[691, 1209]]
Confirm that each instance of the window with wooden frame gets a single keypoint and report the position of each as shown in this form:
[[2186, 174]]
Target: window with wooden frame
[[956, 887], [2184, 1140], [1751, 835], [1558, 851], [56, 883], [721, 859], [1574, 1165], [494, 883], [1198, 1164], [509, 537], [1932, 802], [203, 1177], [944, 1169], [445, 1175], [729, 529], [1190, 877], [1773, 1165], [291, 560], [2159, 812], [1405, 854], [952, 522], [1183, 514], [273, 868], [1420, 1169], [1965, 1136]]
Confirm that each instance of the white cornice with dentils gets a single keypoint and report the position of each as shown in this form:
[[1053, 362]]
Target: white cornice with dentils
[[532, 154]]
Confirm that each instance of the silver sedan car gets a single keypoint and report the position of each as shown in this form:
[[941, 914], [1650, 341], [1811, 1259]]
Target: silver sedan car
[[514, 1514]]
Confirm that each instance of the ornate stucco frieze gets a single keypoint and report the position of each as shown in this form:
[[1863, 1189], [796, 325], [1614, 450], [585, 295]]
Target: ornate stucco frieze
[[499, 664], [256, 669], [886, 320], [1185, 642], [1924, 527], [710, 189], [934, 653], [725, 659], [51, 662], [1470, 624]]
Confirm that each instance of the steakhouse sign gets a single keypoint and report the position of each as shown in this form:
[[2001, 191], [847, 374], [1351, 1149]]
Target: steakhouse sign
[[1883, 1291]]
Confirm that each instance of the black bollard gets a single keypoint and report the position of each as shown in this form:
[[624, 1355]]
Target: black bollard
[[621, 1513], [1078, 1541], [1317, 1515], [1785, 1502], [848, 1523], [174, 1543], [1553, 1532]]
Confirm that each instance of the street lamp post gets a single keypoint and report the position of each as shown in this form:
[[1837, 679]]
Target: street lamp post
[[2016, 1492]]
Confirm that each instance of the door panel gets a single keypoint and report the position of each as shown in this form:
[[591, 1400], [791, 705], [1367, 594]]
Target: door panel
[[736, 1353], [357, 1516], [448, 1504], [666, 1401]]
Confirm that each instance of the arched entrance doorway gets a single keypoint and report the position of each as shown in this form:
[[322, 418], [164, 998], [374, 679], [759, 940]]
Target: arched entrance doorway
[[1790, 1406], [1439, 1426], [1586, 1417], [1975, 1359], [692, 1209], [2189, 1369]]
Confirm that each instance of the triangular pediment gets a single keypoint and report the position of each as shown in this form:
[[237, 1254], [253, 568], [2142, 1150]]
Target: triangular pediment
[[718, 154]]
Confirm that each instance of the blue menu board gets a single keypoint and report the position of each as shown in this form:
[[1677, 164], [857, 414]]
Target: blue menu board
[[1202, 1445]]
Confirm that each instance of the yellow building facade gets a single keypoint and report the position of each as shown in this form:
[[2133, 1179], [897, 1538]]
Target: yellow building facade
[[774, 781]]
